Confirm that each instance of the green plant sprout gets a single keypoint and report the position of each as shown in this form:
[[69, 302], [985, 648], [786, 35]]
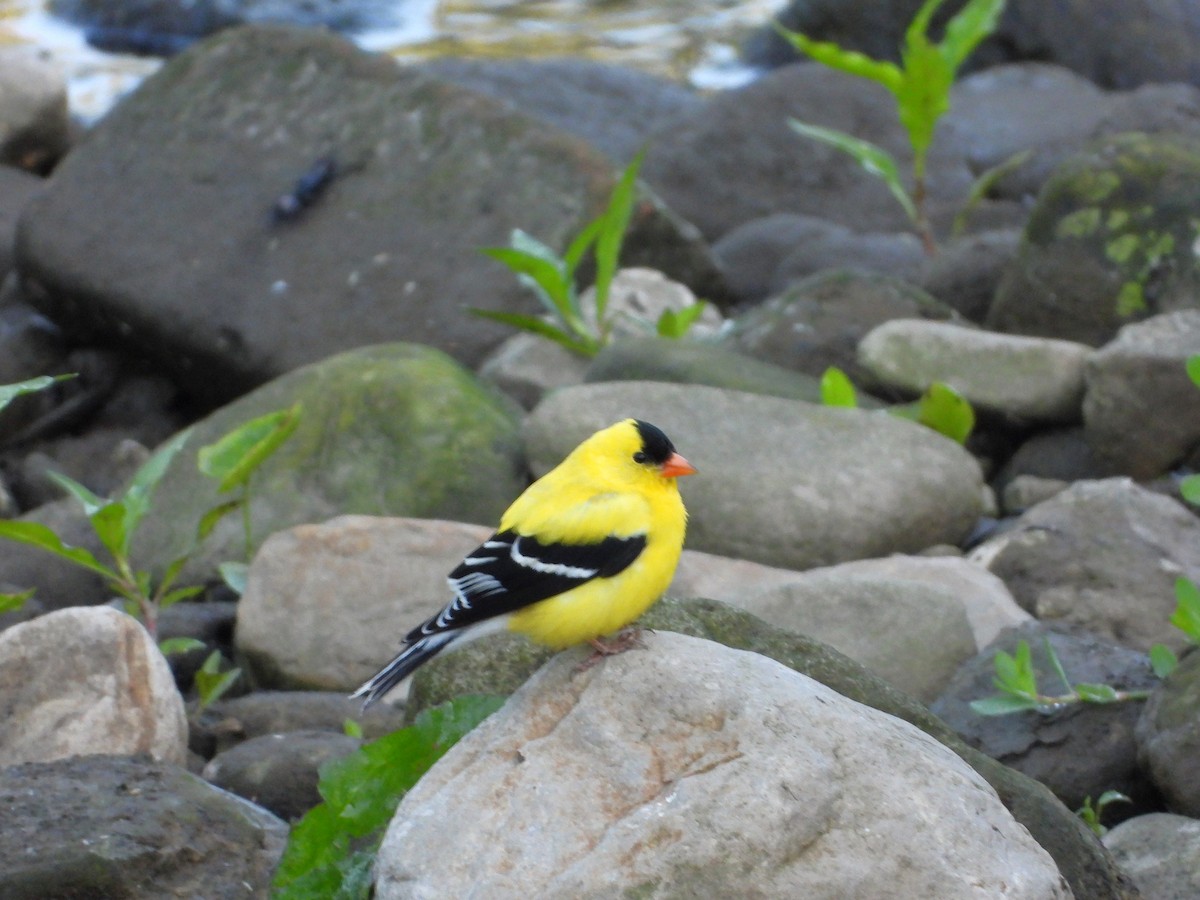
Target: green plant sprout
[[10, 392], [837, 389], [11, 602], [14, 601], [210, 682], [1019, 692], [331, 850], [232, 461], [115, 521], [941, 407], [1186, 618], [1092, 814], [552, 278], [983, 185], [921, 88]]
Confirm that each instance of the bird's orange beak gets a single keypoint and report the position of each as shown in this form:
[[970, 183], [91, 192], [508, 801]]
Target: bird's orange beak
[[676, 466]]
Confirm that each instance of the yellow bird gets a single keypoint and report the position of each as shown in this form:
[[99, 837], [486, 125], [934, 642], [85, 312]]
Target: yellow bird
[[588, 548]]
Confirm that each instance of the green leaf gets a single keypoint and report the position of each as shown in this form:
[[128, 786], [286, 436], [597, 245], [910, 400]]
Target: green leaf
[[837, 389], [1111, 797], [179, 645], [37, 535], [353, 729], [232, 459], [210, 519], [136, 498], [1193, 369], [107, 517], [873, 159], [1056, 664], [968, 28], [541, 327], [1163, 660], [983, 184], [546, 276], [110, 524], [1015, 674], [1002, 705], [1189, 488], [1096, 693], [13, 602], [918, 28], [1187, 609], [923, 97], [674, 323], [849, 61], [947, 412], [234, 574], [613, 225], [172, 597], [90, 502], [10, 392], [361, 794], [210, 682], [578, 247]]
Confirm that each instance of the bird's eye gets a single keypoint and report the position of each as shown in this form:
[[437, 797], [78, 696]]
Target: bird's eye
[[639, 457]]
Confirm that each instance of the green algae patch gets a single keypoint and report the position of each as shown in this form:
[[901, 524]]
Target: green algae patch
[[1111, 240]]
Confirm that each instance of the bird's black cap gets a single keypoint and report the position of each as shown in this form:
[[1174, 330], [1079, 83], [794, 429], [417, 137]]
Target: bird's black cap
[[656, 445]]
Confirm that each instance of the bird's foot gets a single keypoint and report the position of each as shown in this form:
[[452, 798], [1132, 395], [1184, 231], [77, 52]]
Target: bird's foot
[[623, 640]]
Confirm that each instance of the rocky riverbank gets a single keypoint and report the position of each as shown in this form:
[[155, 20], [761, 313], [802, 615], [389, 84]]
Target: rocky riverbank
[[847, 570]]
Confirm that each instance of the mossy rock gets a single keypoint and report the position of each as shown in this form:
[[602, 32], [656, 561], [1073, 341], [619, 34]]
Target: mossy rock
[[1111, 240], [390, 430]]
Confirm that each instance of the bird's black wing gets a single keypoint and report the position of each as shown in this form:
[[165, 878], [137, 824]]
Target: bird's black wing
[[510, 571]]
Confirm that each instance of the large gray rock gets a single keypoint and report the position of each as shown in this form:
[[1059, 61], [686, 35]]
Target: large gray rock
[[1081, 859], [327, 605], [1103, 555], [910, 634], [425, 174], [690, 768], [912, 620], [1020, 379], [83, 681], [783, 482], [1168, 735], [612, 107], [116, 826], [1161, 852], [395, 429], [1141, 412]]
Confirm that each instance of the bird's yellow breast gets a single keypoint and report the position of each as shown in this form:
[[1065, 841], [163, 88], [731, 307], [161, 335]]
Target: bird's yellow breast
[[604, 605]]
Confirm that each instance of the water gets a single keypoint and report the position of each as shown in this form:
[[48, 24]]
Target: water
[[691, 41]]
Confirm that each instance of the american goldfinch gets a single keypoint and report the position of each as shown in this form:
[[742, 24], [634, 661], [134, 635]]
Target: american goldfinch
[[588, 548]]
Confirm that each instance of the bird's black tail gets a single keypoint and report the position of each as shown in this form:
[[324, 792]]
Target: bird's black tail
[[404, 664]]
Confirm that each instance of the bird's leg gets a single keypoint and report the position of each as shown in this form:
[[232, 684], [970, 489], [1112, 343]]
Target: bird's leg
[[625, 639]]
